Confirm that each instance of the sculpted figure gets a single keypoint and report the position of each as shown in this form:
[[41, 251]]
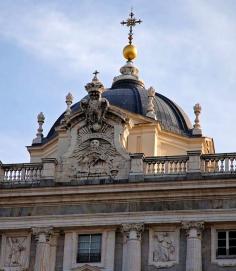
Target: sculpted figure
[[95, 107], [164, 248], [15, 250]]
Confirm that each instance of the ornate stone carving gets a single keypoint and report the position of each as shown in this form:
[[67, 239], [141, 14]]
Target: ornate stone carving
[[15, 252], [95, 154], [197, 127], [197, 225], [95, 147], [42, 234], [39, 135], [95, 107], [150, 107], [127, 230], [163, 247]]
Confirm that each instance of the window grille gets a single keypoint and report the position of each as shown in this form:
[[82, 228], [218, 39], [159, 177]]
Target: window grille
[[89, 248], [226, 244]]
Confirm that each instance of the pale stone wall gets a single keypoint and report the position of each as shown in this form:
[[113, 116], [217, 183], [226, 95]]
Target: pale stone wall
[[60, 252], [118, 252]]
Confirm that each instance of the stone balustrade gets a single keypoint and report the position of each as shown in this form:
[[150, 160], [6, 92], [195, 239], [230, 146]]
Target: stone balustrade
[[21, 173], [165, 165], [219, 163], [141, 166]]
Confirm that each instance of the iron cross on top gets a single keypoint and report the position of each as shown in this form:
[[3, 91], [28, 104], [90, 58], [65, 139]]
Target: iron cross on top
[[131, 22]]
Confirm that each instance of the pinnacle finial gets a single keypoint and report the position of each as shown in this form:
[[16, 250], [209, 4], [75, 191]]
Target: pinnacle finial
[[39, 135], [69, 101], [197, 127]]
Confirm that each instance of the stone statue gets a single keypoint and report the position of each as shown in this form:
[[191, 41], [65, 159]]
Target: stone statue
[[164, 247], [15, 251], [94, 107]]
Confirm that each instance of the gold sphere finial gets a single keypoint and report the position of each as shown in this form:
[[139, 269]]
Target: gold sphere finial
[[130, 52]]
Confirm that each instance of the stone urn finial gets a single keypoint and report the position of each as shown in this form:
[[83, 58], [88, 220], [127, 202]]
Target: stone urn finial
[[69, 101], [197, 127], [39, 135]]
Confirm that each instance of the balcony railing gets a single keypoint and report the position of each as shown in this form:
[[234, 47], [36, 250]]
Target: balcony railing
[[193, 162], [165, 165], [21, 173], [219, 163]]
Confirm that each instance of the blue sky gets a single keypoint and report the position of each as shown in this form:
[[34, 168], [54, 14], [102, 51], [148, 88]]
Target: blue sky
[[47, 48]]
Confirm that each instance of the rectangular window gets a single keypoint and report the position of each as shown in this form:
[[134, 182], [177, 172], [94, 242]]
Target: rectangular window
[[226, 244], [89, 248]]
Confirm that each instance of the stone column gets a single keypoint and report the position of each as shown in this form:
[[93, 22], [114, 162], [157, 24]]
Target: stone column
[[132, 235], [194, 245], [43, 253]]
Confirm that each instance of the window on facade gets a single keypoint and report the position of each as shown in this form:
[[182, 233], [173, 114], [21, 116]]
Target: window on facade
[[226, 246], [89, 248]]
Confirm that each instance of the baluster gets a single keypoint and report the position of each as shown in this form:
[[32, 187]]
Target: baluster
[[222, 168], [154, 167], [175, 166], [226, 164], [216, 164], [166, 167], [34, 173], [38, 174], [185, 166], [30, 174], [10, 174], [157, 167], [231, 164], [22, 177], [162, 167], [171, 166], [5, 178]]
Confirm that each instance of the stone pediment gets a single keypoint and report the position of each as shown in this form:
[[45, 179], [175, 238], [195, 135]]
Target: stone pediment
[[86, 267]]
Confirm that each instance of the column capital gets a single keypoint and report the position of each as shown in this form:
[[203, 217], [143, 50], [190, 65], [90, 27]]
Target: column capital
[[42, 234], [127, 229], [187, 225], [193, 228]]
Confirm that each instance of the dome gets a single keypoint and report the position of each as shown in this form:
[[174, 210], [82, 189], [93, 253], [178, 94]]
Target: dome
[[132, 96]]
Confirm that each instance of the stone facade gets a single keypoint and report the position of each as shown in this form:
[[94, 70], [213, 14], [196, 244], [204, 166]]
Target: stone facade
[[120, 188]]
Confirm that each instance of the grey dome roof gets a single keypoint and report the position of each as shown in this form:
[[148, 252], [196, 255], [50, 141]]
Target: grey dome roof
[[132, 96]]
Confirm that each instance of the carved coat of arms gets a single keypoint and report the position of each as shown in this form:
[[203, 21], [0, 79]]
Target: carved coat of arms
[[96, 153]]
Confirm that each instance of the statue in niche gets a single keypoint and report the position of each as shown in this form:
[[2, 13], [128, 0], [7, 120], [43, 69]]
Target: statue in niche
[[95, 157], [164, 247], [15, 251]]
